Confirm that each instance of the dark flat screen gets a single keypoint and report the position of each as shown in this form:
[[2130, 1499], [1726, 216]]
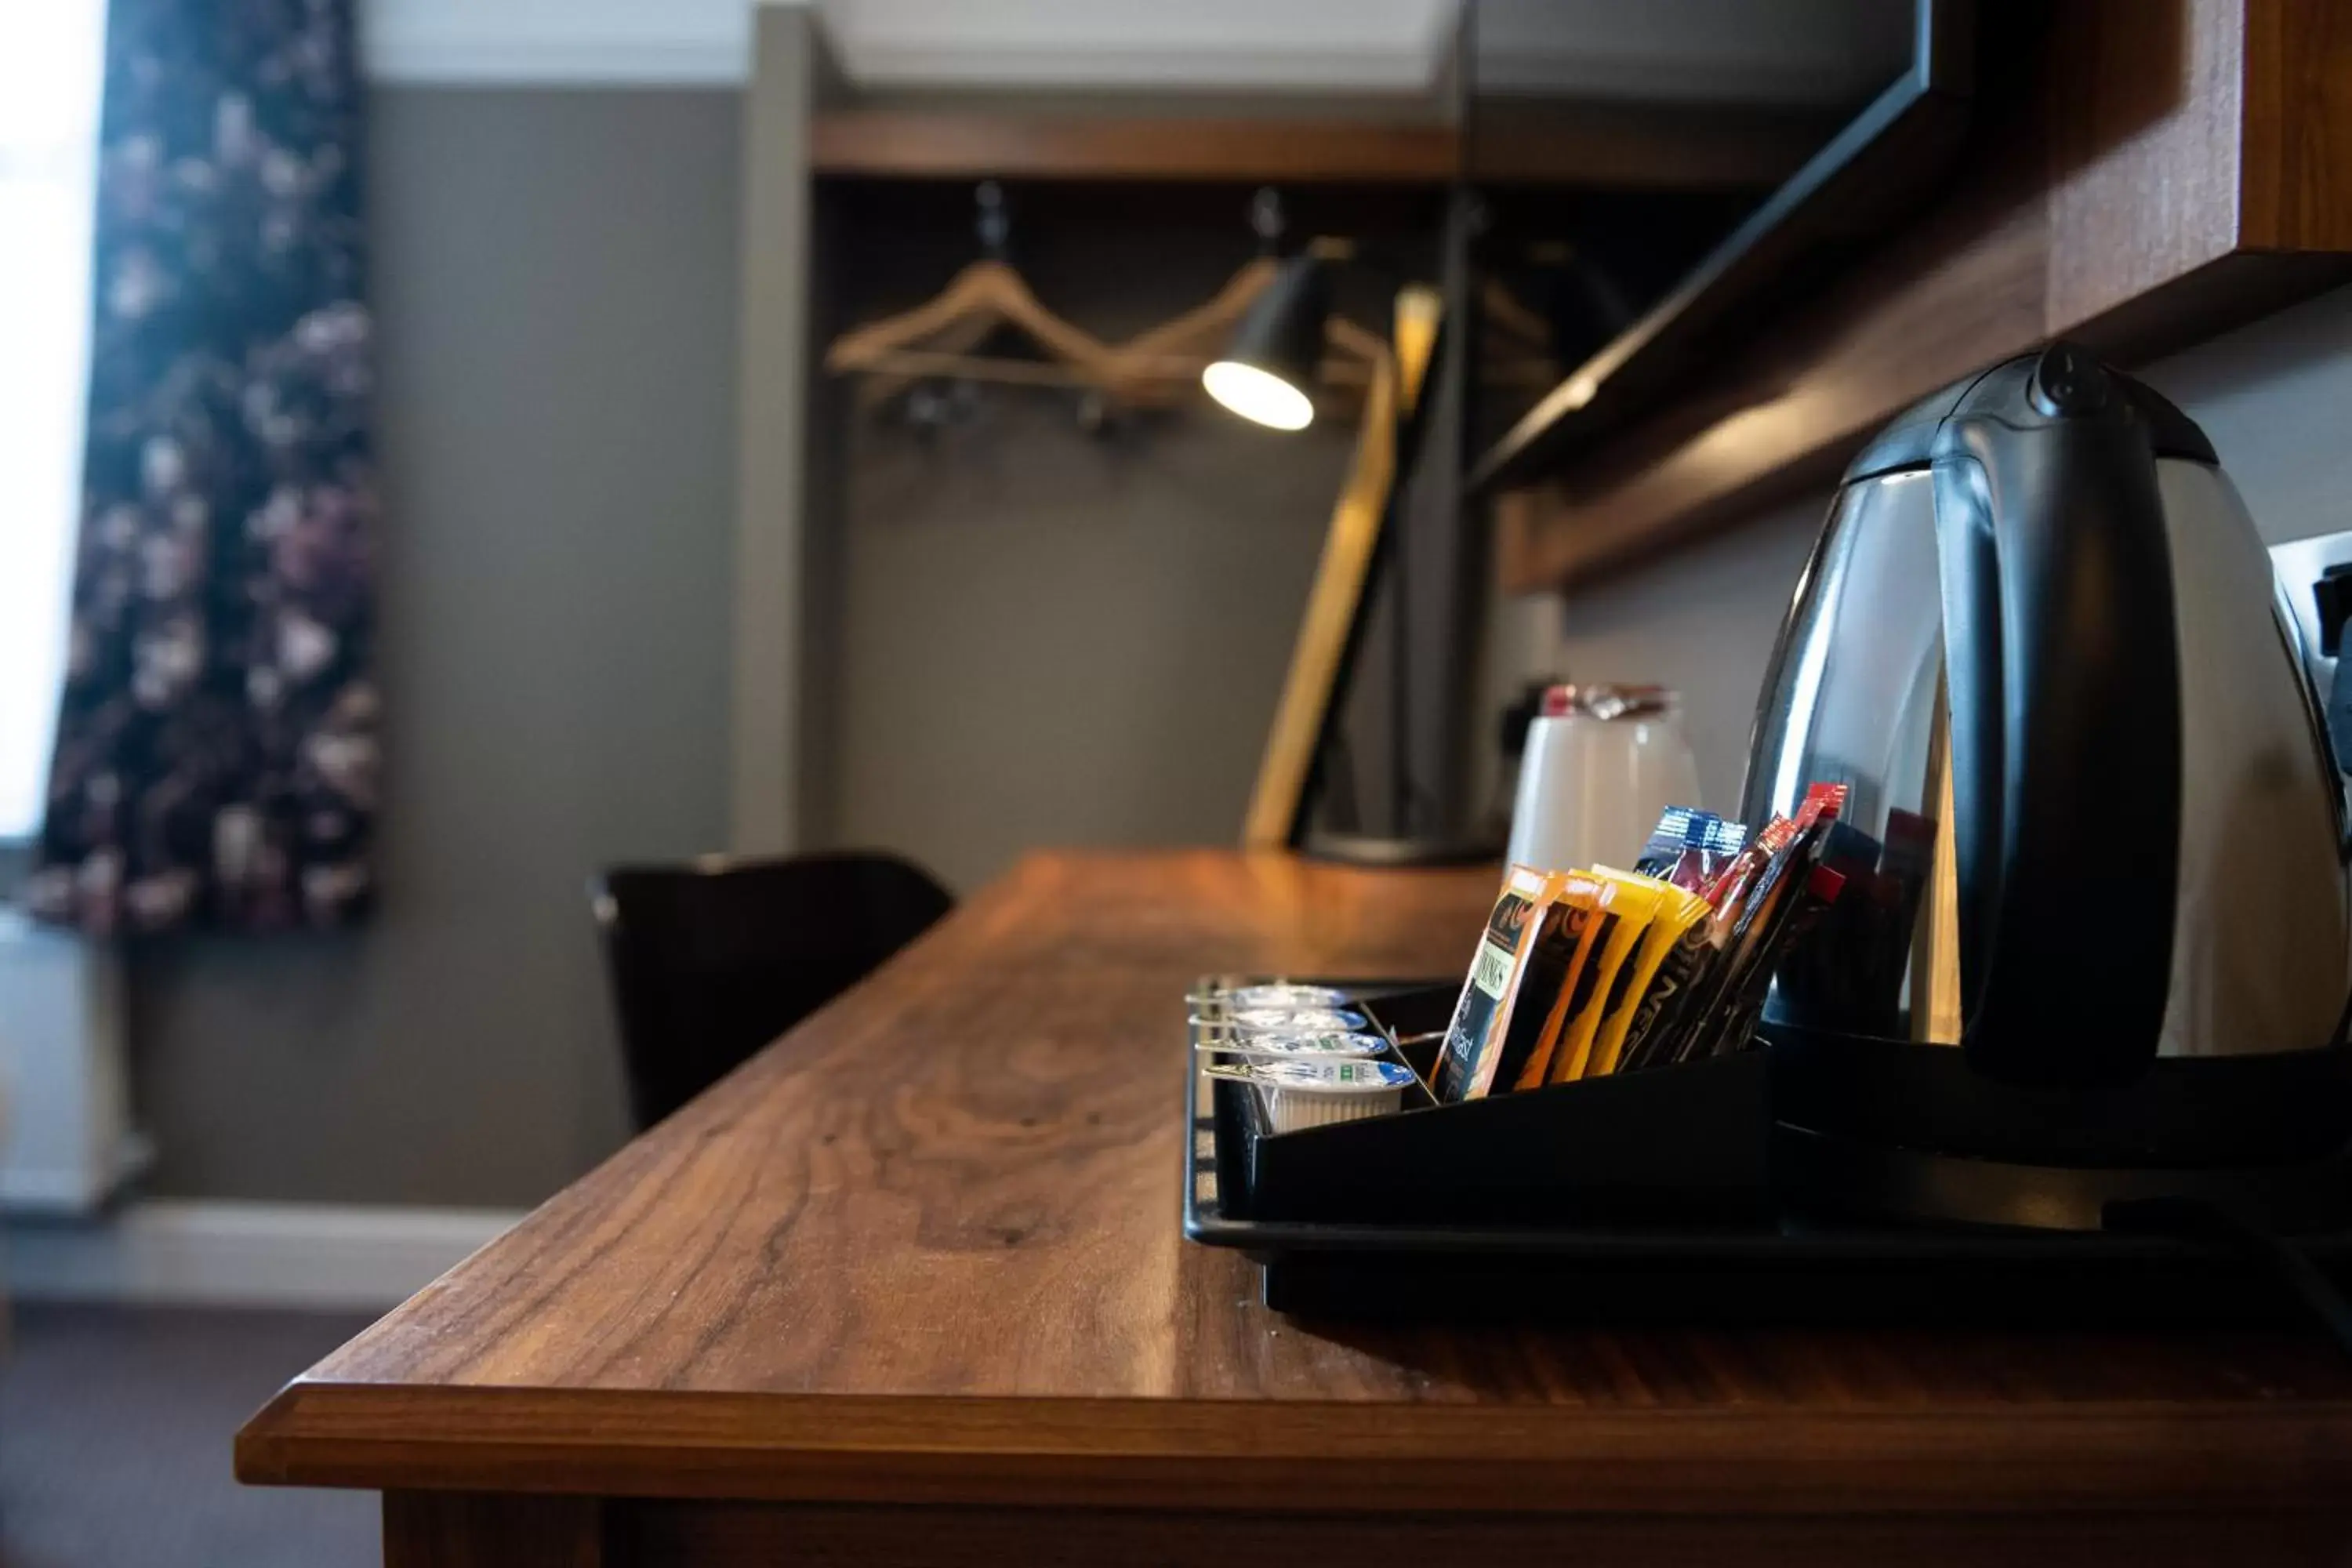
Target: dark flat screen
[[1659, 179]]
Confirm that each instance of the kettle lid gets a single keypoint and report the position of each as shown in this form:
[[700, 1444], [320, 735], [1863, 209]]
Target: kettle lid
[[2011, 389]]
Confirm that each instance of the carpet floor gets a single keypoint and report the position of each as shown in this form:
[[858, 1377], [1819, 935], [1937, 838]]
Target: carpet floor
[[115, 1428]]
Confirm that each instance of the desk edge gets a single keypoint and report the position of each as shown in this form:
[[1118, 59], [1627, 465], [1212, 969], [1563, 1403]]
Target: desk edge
[[1288, 1456]]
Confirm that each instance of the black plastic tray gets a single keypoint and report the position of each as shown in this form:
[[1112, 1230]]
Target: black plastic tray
[[1646, 1199], [1680, 1144]]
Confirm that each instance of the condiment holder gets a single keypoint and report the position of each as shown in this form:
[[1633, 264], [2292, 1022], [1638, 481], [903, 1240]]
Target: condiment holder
[[1687, 1142]]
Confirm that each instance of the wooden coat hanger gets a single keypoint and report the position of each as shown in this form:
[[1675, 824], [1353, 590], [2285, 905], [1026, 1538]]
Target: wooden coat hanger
[[983, 296], [1159, 367], [1160, 361], [1163, 362], [937, 337]]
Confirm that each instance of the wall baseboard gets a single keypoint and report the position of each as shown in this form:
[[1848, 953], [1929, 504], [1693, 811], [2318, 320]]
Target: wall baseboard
[[193, 1253]]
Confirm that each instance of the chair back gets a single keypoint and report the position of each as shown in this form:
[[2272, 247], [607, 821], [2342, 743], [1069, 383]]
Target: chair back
[[710, 962]]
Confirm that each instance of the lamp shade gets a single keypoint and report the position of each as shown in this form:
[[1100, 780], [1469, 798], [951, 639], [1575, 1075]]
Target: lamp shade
[[1265, 371]]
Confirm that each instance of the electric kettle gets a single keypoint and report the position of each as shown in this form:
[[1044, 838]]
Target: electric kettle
[[2095, 946]]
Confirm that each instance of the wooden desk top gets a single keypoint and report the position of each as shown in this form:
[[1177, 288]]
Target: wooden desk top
[[925, 1249]]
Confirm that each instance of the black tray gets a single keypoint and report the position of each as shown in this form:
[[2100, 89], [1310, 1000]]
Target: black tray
[[1645, 1198]]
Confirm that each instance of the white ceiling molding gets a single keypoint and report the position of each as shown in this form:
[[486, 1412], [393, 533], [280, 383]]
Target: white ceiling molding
[[553, 43], [1170, 46]]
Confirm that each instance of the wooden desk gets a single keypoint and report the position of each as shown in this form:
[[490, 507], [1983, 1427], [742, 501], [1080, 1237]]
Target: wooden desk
[[923, 1252]]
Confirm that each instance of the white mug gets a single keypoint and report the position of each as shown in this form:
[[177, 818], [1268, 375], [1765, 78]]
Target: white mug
[[1602, 762]]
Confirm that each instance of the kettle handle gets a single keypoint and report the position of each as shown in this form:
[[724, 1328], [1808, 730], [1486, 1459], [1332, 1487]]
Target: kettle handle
[[2064, 692]]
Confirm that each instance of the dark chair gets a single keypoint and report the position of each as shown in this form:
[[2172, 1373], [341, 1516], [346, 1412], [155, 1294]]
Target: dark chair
[[711, 961]]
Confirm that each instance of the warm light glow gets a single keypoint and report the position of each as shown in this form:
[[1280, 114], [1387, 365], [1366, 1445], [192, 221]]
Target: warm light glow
[[1259, 395]]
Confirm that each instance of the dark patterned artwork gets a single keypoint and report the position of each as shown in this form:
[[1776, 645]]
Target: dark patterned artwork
[[217, 758]]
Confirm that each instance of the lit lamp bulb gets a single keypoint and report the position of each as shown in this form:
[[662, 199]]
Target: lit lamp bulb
[[1259, 395]]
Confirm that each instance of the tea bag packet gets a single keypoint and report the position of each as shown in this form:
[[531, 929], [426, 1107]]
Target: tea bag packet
[[1658, 968], [1582, 923], [1703, 967], [1753, 928], [1796, 914], [1823, 800], [1565, 932], [1730, 886], [1651, 1029], [1748, 941], [1681, 1012], [1585, 973], [1465, 1068], [1690, 847], [1666, 841], [1634, 903]]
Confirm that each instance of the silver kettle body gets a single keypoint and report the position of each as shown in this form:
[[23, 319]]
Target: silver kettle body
[[2102, 831]]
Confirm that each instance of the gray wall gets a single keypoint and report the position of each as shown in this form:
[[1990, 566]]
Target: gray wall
[[1051, 640], [2273, 396], [555, 284]]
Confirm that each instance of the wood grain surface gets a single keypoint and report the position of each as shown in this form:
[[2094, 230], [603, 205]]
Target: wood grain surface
[[2296, 172], [2142, 174], [925, 1249]]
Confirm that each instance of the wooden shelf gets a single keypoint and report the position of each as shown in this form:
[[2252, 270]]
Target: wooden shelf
[[894, 143], [1636, 148], [2147, 173], [1643, 147]]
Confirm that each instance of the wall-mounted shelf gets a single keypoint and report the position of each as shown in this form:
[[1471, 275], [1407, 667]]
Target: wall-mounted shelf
[[902, 143], [1597, 149], [2149, 172]]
